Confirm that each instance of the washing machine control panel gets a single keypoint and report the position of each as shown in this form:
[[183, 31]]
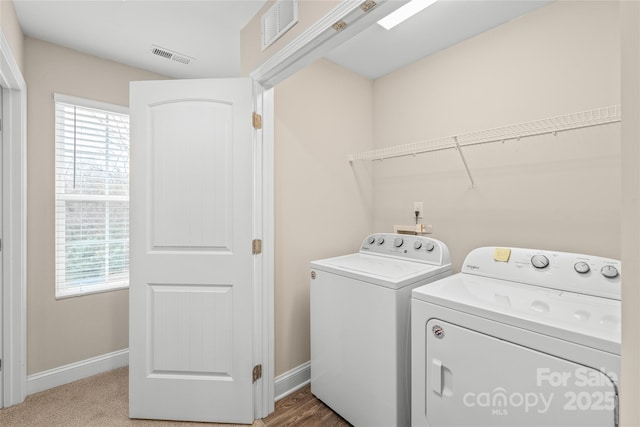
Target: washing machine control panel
[[579, 273], [406, 246]]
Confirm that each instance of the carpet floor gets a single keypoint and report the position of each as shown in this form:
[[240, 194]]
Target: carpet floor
[[98, 401]]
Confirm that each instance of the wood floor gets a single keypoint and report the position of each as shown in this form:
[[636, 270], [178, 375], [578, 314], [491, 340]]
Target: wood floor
[[303, 409]]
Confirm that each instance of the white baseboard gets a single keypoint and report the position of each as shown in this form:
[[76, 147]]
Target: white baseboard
[[292, 380], [76, 371], [285, 384]]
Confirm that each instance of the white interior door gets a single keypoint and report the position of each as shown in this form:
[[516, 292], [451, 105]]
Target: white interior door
[[191, 288]]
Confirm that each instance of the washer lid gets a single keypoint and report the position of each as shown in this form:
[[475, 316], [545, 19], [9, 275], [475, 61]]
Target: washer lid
[[380, 270], [583, 319]]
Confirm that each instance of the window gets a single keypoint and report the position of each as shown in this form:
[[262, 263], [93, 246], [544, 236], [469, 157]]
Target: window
[[92, 196]]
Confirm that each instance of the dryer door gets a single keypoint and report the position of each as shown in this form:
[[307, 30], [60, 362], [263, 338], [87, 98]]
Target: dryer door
[[475, 379]]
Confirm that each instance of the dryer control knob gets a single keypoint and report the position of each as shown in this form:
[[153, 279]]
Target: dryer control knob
[[581, 267], [371, 240], [380, 240], [417, 245], [540, 261], [609, 271], [429, 246], [397, 242]]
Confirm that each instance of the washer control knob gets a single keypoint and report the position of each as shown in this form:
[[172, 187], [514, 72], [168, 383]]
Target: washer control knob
[[540, 261], [609, 271], [371, 240], [581, 267], [380, 240], [417, 245], [429, 246], [397, 242]]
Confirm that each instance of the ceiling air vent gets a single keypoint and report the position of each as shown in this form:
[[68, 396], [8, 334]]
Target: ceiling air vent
[[278, 20], [169, 54]]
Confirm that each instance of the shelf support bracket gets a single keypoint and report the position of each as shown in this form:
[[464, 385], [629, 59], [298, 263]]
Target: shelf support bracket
[[464, 161]]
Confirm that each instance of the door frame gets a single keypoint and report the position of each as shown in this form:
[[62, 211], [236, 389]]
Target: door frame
[[264, 274], [14, 226], [309, 46], [320, 38]]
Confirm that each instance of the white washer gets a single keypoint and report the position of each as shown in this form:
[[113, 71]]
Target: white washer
[[520, 337], [360, 308]]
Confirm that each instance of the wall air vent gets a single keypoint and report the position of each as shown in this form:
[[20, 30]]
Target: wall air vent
[[278, 20], [169, 54]]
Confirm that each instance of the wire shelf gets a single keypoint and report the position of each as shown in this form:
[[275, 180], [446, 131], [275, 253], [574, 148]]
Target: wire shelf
[[596, 117]]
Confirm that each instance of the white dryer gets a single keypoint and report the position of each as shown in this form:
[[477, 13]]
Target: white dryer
[[360, 308], [520, 337]]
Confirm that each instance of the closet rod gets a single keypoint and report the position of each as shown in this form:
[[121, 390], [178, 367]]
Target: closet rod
[[583, 119]]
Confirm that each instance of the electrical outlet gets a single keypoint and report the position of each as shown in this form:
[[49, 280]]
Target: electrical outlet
[[418, 206]]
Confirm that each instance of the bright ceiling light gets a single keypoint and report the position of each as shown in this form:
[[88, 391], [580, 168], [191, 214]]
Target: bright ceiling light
[[404, 13]]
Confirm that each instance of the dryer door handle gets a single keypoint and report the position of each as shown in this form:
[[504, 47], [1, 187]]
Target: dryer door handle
[[436, 376]]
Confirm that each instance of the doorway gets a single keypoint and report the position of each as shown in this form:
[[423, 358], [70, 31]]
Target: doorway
[[13, 222]]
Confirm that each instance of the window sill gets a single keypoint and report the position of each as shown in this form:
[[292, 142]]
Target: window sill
[[90, 290]]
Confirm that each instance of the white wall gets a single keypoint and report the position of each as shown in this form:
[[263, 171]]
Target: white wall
[[554, 192]]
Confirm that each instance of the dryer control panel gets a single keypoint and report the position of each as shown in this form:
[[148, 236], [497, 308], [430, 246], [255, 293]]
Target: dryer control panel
[[408, 247], [578, 273]]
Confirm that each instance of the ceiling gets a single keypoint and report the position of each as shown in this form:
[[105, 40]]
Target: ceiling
[[376, 51], [209, 31], [124, 31]]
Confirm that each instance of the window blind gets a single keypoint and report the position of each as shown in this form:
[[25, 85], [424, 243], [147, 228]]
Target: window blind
[[91, 196]]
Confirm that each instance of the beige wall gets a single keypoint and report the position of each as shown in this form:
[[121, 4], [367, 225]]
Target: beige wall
[[513, 73], [65, 331], [555, 192], [323, 205], [251, 53], [630, 19], [538, 192], [558, 192], [12, 31]]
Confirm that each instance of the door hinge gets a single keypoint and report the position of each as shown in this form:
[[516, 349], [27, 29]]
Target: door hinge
[[256, 246], [256, 121], [339, 26], [257, 373], [368, 5]]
